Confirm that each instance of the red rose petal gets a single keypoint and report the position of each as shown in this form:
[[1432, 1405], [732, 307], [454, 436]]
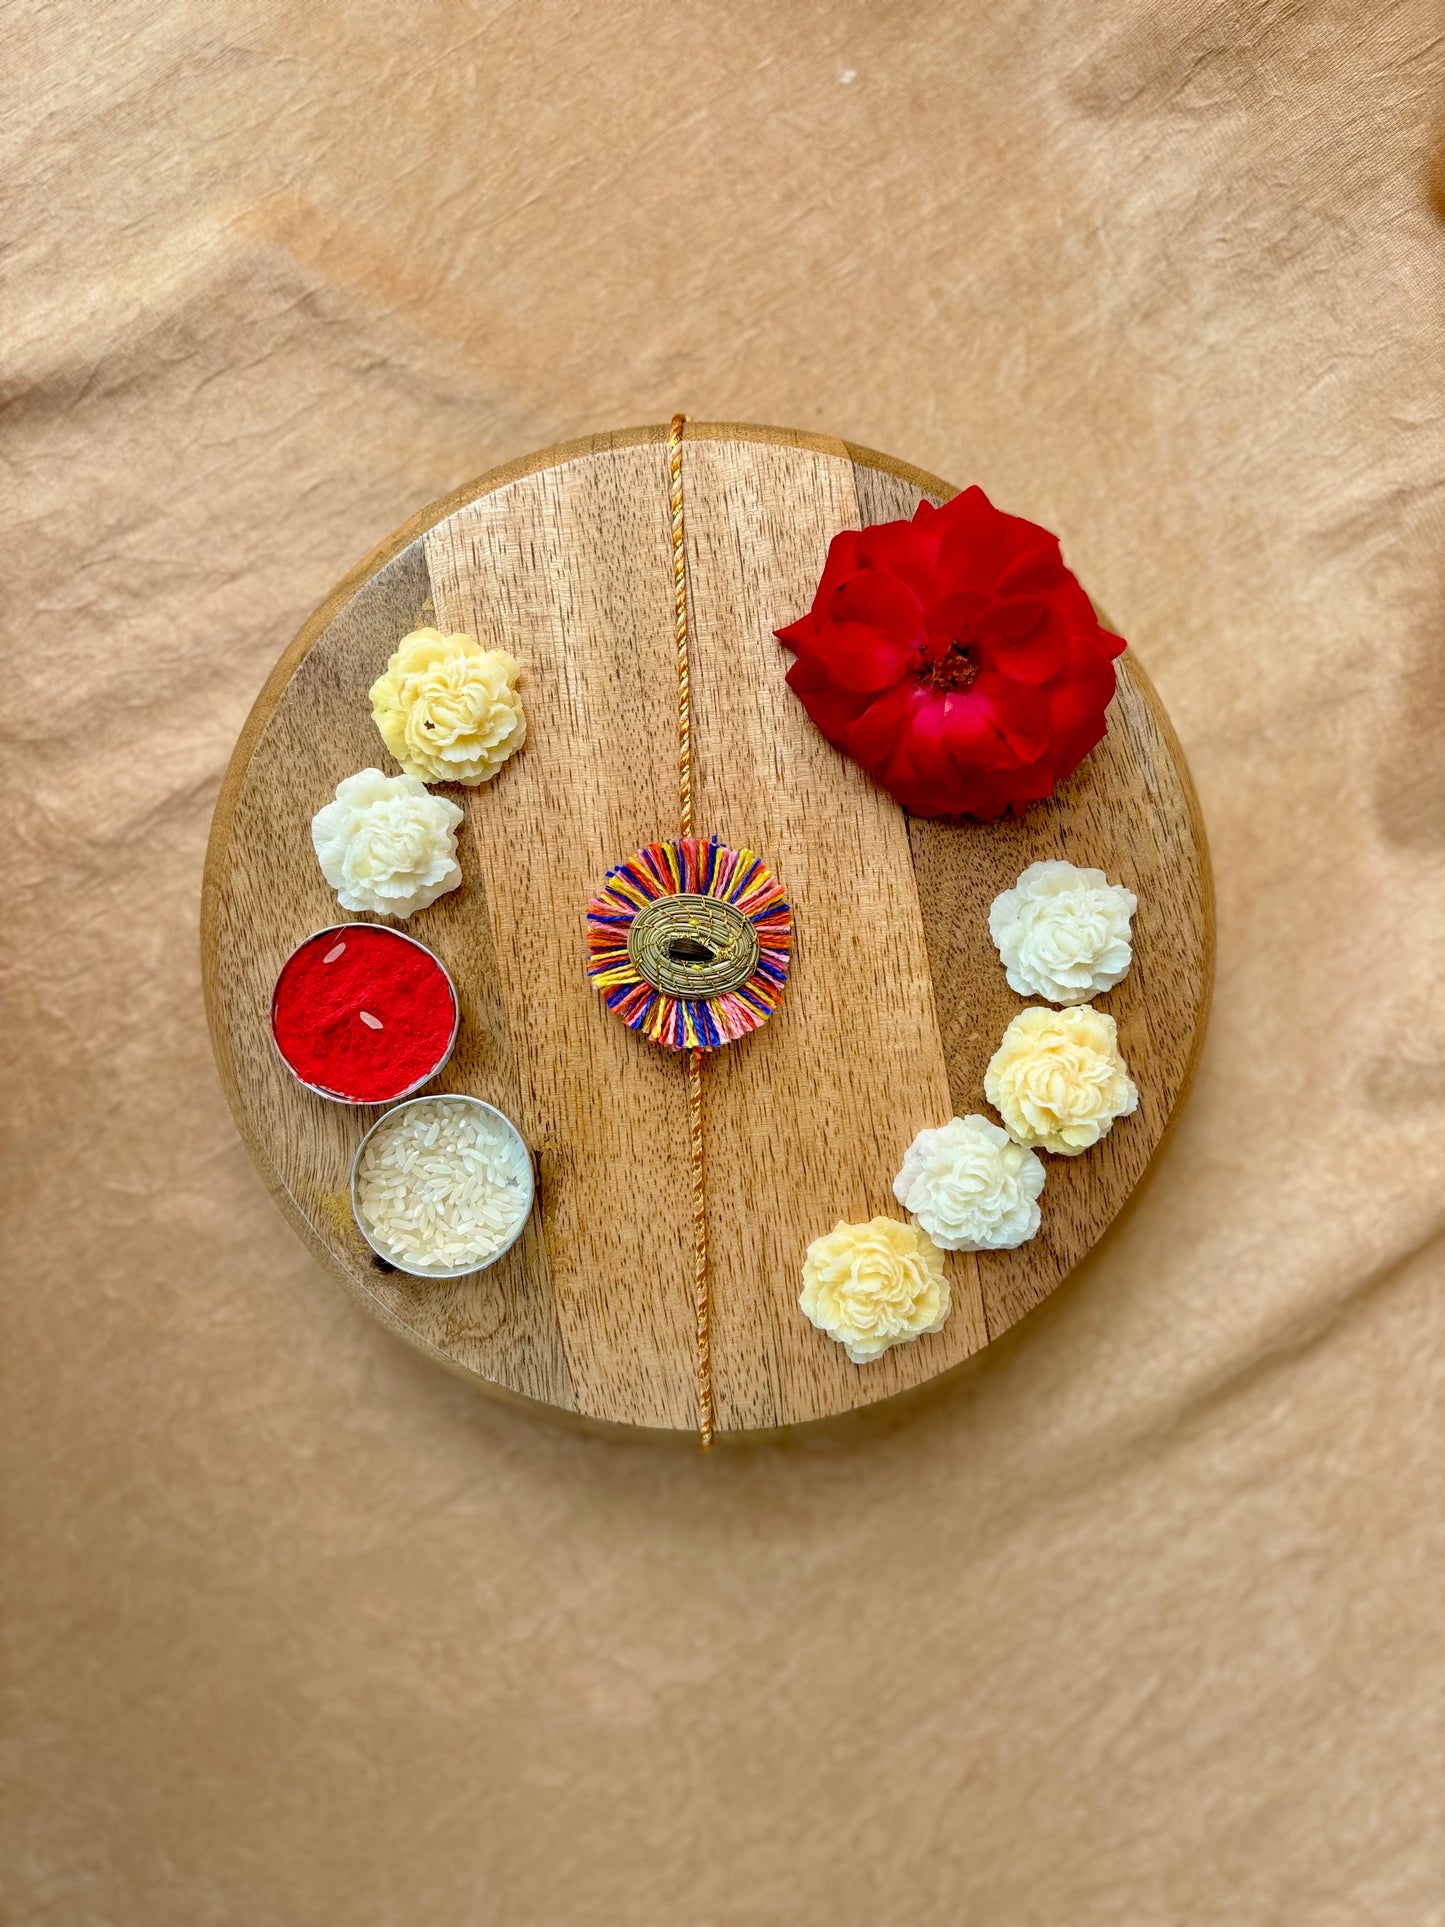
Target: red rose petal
[[1068, 752], [1023, 539], [1085, 688], [832, 709], [877, 600], [1071, 605], [1012, 617], [877, 732], [955, 618], [869, 636], [971, 512], [899, 549], [1033, 781], [930, 742], [1020, 715], [1035, 571], [841, 559], [862, 660], [983, 546], [970, 553], [1035, 655], [972, 731]]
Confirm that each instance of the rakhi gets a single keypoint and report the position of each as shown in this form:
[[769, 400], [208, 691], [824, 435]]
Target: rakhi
[[689, 942]]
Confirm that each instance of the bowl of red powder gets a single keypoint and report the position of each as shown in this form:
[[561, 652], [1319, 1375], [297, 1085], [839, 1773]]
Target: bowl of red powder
[[363, 1014]]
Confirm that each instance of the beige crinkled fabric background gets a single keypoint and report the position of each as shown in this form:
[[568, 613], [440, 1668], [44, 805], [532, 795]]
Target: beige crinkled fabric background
[[1136, 1621]]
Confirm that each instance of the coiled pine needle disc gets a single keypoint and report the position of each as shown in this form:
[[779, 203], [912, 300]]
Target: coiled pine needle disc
[[689, 943]]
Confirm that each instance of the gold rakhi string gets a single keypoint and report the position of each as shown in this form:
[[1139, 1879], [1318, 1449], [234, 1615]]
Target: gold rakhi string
[[679, 613], [701, 1292]]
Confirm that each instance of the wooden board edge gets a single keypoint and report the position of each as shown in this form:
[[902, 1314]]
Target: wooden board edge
[[915, 477], [1165, 725], [228, 795]]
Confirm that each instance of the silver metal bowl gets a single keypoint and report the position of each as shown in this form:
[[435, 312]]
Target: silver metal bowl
[[343, 930], [524, 1158]]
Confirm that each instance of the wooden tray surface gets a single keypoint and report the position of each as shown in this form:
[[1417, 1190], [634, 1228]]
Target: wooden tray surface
[[897, 997]]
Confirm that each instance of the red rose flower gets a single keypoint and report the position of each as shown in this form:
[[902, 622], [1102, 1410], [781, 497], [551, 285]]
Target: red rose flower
[[955, 658]]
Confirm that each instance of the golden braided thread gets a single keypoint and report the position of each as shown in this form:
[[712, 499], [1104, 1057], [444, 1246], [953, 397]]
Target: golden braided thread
[[701, 1293], [679, 615], [700, 1289]]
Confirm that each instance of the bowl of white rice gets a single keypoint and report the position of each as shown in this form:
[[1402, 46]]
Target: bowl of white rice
[[441, 1186]]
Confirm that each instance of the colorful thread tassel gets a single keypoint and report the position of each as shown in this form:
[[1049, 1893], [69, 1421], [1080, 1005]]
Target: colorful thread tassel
[[689, 866]]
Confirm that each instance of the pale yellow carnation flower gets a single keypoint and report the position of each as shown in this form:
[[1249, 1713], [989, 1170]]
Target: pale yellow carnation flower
[[1057, 1079], [448, 710], [873, 1285]]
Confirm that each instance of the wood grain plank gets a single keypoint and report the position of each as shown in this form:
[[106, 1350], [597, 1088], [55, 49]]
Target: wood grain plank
[[570, 569], [807, 1121], [499, 1325]]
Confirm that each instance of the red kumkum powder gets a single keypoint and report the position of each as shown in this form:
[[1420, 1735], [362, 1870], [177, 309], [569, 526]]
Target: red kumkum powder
[[363, 1013]]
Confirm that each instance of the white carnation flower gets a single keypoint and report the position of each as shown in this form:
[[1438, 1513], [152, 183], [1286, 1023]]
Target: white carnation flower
[[387, 845], [1063, 933], [970, 1186]]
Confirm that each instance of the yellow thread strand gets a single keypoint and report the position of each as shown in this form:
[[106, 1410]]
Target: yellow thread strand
[[701, 1289], [679, 610]]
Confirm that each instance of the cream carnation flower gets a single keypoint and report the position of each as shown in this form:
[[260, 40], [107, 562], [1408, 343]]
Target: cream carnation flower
[[873, 1285], [970, 1186], [1063, 933], [387, 845], [1057, 1079], [448, 710]]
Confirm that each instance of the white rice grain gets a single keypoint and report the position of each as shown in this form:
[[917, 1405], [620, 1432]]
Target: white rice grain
[[442, 1185]]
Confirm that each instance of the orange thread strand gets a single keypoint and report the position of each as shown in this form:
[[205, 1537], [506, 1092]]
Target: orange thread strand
[[700, 1281], [702, 1296], [679, 612]]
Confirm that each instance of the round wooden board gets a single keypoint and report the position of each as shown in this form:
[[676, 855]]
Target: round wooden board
[[897, 998]]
